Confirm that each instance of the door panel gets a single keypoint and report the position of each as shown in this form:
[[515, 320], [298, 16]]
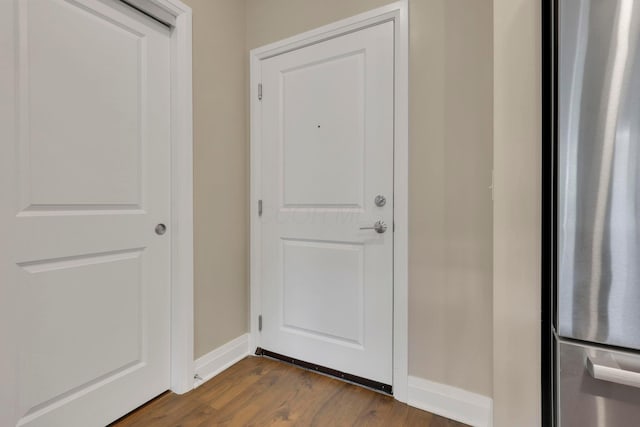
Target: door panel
[[330, 275], [50, 335], [324, 131], [327, 135], [585, 401], [598, 173], [86, 278], [70, 56]]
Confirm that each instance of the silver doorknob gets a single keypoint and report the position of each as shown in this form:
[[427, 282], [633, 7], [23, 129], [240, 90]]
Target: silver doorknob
[[161, 229], [379, 226]]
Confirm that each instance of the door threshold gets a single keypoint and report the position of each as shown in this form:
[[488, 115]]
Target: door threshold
[[343, 376]]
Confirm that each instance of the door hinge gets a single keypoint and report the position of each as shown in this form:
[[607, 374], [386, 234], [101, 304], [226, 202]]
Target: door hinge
[[259, 91], [260, 323], [259, 207]]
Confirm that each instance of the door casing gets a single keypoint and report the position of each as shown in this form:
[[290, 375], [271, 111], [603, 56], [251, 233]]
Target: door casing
[[178, 17], [397, 12]]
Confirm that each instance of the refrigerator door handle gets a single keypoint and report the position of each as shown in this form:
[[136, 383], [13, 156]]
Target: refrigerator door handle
[[606, 368]]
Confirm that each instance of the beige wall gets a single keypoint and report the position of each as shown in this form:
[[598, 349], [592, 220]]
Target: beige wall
[[450, 329], [220, 172], [450, 172], [456, 54], [271, 20], [517, 126]]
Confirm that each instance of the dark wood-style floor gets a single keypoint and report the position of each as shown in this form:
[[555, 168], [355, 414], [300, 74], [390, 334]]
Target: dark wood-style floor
[[263, 392]]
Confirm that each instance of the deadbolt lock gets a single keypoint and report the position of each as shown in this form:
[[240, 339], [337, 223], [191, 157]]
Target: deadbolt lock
[[380, 200]]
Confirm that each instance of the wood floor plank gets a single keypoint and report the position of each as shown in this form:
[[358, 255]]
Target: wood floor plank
[[230, 383], [245, 408], [343, 408], [380, 411], [170, 413], [262, 392], [293, 405]]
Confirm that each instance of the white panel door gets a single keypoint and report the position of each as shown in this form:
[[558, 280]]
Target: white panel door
[[327, 153], [85, 178]]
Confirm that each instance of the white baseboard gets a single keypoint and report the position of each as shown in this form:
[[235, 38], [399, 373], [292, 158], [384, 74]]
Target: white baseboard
[[450, 402], [211, 364]]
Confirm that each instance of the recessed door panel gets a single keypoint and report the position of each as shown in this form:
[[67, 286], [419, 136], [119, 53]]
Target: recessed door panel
[[78, 310], [323, 289], [323, 133], [82, 102]]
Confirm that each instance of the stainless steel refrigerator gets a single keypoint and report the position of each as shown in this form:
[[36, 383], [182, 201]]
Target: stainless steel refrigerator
[[596, 325]]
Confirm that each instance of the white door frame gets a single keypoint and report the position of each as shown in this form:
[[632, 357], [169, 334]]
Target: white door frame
[[178, 16], [398, 13]]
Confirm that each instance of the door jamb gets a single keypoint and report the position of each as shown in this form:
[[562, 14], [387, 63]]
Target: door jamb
[[397, 12], [178, 17]]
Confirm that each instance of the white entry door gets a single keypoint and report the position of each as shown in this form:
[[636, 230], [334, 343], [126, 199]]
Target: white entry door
[[327, 179], [85, 179]]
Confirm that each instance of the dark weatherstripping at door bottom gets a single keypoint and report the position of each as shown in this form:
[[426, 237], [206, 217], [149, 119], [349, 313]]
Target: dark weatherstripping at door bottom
[[375, 385]]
